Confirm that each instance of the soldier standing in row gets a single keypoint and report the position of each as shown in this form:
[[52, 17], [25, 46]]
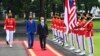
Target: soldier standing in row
[[89, 34]]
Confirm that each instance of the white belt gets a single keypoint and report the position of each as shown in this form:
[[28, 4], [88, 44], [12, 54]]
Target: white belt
[[9, 26]]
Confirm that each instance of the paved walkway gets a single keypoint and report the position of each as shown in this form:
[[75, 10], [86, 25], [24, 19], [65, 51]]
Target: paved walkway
[[16, 50]]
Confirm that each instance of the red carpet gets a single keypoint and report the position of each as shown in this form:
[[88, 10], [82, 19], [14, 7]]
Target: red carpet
[[37, 51], [40, 52]]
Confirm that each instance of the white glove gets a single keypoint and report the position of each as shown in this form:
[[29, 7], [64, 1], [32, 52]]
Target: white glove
[[4, 28], [14, 31]]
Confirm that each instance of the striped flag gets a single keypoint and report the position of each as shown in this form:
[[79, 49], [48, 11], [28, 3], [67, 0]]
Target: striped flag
[[70, 14]]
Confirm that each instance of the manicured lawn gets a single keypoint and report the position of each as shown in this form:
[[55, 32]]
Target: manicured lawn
[[97, 44], [49, 24], [96, 24]]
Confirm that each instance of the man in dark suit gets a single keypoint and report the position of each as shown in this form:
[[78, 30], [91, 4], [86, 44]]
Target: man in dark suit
[[42, 31], [31, 30]]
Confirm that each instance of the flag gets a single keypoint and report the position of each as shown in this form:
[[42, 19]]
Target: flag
[[70, 14]]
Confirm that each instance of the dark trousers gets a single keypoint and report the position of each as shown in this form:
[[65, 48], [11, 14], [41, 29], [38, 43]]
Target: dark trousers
[[42, 41], [30, 40]]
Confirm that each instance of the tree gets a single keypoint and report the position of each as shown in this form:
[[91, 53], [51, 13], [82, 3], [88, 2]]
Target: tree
[[42, 7], [87, 4], [14, 5]]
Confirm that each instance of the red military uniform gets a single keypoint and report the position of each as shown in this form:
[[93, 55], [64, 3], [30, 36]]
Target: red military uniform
[[59, 24], [55, 23], [78, 31], [89, 30], [10, 24], [81, 26], [52, 23]]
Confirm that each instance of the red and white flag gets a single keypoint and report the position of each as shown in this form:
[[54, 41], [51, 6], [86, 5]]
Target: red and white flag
[[70, 14]]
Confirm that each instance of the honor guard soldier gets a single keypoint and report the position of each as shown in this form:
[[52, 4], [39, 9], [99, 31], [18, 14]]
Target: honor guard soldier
[[10, 27], [81, 35], [89, 35]]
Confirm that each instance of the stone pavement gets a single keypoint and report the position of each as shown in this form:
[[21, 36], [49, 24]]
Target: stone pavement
[[16, 50]]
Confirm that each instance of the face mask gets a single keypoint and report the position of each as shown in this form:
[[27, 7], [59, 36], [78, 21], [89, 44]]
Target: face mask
[[42, 21], [30, 18]]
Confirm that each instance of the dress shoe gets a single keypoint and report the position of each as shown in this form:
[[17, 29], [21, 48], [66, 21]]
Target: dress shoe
[[7, 42], [82, 53], [44, 48], [10, 46], [77, 50], [29, 47]]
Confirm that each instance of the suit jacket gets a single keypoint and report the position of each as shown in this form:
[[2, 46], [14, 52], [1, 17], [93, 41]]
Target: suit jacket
[[31, 27], [42, 30]]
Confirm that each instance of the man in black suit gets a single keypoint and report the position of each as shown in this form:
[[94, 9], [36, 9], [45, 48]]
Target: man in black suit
[[42, 31]]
